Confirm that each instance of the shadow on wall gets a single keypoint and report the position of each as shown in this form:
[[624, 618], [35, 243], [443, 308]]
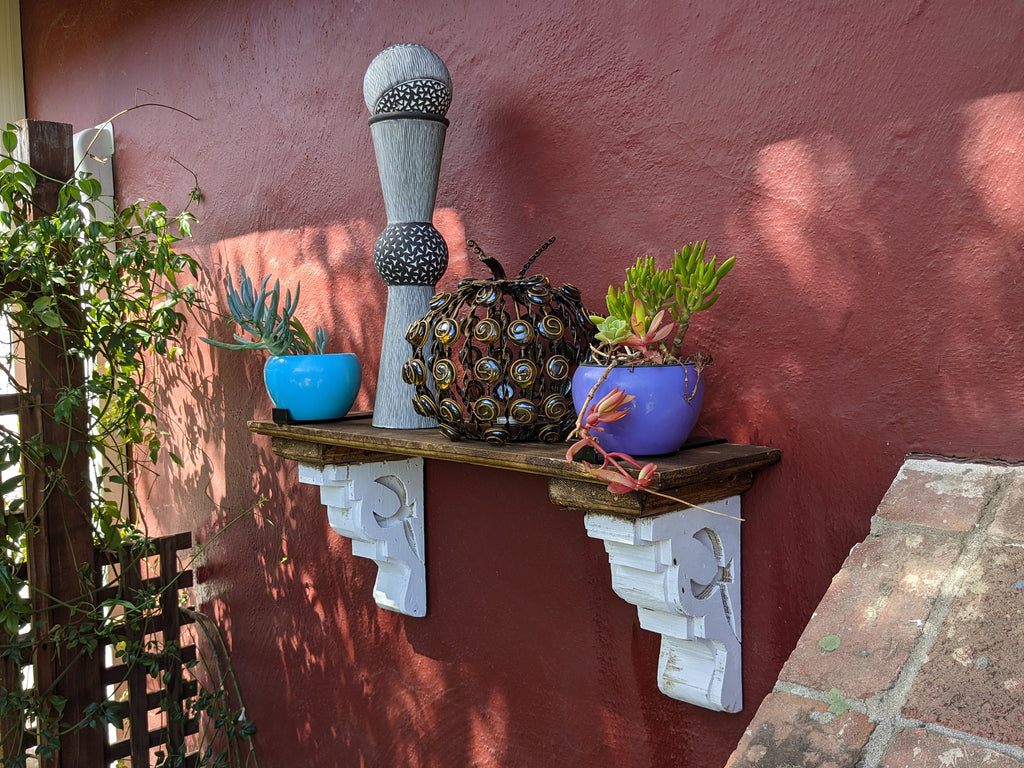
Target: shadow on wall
[[867, 320], [848, 288], [902, 309], [340, 289], [861, 161], [350, 679], [283, 588]]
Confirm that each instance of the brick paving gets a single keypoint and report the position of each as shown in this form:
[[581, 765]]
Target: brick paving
[[915, 656]]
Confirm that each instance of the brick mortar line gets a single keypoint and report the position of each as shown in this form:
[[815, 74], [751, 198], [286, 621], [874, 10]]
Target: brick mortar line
[[985, 462], [815, 694], [880, 526], [862, 705], [886, 707], [1010, 750]]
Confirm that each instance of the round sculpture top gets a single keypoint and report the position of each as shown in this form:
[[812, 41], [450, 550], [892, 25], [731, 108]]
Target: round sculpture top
[[407, 78]]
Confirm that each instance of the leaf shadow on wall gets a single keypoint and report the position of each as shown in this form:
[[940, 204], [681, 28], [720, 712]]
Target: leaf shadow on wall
[[872, 313], [856, 285], [294, 604], [254, 577]]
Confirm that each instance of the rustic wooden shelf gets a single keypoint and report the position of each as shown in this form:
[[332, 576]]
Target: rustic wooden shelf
[[705, 470]]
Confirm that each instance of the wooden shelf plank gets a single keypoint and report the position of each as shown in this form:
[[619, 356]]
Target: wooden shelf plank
[[709, 470]]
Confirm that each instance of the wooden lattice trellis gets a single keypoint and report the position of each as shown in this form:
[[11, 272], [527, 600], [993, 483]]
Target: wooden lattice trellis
[[141, 675], [169, 691], [154, 707]]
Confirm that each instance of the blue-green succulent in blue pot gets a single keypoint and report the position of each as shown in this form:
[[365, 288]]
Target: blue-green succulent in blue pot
[[304, 382]]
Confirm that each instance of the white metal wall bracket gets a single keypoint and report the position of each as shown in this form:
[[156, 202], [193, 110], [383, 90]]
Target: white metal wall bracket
[[682, 571], [380, 507]]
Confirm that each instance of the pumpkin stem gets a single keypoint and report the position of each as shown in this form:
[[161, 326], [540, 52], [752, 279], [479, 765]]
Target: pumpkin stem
[[497, 271], [538, 252]]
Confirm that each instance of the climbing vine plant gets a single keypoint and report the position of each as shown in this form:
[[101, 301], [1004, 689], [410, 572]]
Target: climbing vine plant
[[114, 296]]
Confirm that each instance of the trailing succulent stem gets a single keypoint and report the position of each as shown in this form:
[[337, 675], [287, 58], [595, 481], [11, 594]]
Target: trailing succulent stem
[[272, 324], [621, 472]]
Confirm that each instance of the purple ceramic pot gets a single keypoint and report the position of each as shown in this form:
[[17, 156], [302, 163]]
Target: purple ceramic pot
[[667, 404]]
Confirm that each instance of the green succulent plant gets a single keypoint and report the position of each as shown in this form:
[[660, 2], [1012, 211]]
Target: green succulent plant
[[611, 329], [638, 311], [272, 324]]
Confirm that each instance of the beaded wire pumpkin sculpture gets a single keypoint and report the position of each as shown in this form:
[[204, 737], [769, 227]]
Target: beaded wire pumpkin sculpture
[[493, 361]]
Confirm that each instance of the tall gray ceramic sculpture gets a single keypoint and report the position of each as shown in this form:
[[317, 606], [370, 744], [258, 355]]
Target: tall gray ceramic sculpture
[[407, 90]]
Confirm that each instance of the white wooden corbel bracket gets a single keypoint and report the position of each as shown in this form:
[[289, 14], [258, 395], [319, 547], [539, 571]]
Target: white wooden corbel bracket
[[679, 566], [681, 570], [380, 507]]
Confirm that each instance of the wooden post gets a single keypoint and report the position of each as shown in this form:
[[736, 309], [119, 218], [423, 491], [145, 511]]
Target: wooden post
[[60, 553], [138, 710], [170, 620]]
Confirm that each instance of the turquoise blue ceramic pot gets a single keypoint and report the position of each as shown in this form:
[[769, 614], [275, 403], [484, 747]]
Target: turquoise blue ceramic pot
[[313, 387], [667, 404]]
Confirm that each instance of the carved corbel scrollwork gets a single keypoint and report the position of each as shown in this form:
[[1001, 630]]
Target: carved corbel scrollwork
[[682, 572], [380, 507]]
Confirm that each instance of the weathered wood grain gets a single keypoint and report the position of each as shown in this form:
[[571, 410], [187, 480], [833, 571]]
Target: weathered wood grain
[[702, 472]]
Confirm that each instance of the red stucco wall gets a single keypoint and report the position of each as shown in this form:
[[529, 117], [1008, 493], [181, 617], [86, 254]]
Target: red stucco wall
[[863, 160]]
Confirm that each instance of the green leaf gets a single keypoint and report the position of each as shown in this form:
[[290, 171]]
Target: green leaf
[[50, 319], [90, 186], [10, 141], [837, 703], [11, 624], [10, 484], [829, 643]]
